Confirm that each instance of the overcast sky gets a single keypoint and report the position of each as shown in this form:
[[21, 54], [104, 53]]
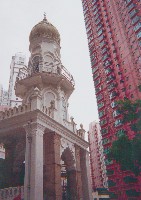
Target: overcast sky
[[17, 17]]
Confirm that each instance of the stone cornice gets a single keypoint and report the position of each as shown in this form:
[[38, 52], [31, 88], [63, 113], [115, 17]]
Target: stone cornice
[[18, 122]]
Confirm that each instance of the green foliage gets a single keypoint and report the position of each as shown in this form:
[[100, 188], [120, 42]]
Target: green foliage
[[130, 179], [131, 113], [132, 193], [128, 152]]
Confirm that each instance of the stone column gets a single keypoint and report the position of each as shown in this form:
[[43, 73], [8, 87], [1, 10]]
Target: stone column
[[33, 185], [78, 174], [52, 167], [85, 169]]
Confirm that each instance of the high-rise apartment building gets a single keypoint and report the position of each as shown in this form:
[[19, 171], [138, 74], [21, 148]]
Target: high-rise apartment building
[[4, 104], [18, 65], [98, 168], [114, 38]]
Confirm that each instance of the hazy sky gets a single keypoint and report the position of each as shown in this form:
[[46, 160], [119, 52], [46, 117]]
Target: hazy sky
[[17, 17]]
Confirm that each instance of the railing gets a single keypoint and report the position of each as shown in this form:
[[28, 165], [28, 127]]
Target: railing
[[54, 69], [67, 75], [14, 111], [11, 193]]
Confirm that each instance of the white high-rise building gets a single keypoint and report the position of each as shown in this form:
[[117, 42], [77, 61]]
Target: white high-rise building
[[1, 92], [18, 64], [4, 104]]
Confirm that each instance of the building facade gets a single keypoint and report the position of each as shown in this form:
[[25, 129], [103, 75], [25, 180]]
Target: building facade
[[4, 103], [2, 151], [114, 39], [98, 168], [18, 65], [39, 132]]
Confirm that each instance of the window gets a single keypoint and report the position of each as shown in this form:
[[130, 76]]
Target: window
[[105, 141], [137, 27], [133, 12], [101, 113], [116, 113], [139, 35], [118, 122], [99, 97], [120, 132], [100, 105], [103, 122], [135, 19], [104, 131], [113, 104], [107, 63]]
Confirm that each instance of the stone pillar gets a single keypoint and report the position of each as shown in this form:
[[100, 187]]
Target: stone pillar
[[85, 169], [52, 167], [78, 174], [35, 99], [19, 158], [10, 144], [33, 185]]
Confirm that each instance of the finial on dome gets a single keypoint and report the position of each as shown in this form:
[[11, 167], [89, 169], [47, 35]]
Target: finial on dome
[[45, 18]]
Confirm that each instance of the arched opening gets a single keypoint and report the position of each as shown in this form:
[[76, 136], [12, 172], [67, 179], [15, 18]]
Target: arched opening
[[68, 175]]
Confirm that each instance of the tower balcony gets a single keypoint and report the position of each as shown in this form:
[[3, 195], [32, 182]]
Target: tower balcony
[[50, 76]]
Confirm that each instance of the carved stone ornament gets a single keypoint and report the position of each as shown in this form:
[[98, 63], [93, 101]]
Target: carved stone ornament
[[33, 128]]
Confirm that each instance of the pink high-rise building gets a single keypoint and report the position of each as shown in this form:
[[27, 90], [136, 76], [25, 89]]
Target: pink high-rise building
[[98, 168], [114, 38]]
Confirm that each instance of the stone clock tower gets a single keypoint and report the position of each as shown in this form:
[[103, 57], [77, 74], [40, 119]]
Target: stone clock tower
[[45, 139]]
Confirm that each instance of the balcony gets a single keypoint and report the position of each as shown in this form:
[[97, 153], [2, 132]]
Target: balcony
[[99, 97], [99, 27], [103, 122], [116, 113], [130, 179], [139, 35], [120, 132], [106, 56], [94, 69], [135, 20], [118, 122], [104, 131], [128, 1], [97, 90], [109, 162], [95, 76], [101, 37], [104, 50], [133, 13], [131, 6], [132, 193], [111, 87], [105, 141], [137, 27], [100, 105], [113, 95], [110, 172], [114, 104], [97, 82], [102, 114], [110, 78], [95, 1], [107, 63]]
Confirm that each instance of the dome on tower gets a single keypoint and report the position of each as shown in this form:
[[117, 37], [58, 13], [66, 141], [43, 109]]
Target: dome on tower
[[44, 29]]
